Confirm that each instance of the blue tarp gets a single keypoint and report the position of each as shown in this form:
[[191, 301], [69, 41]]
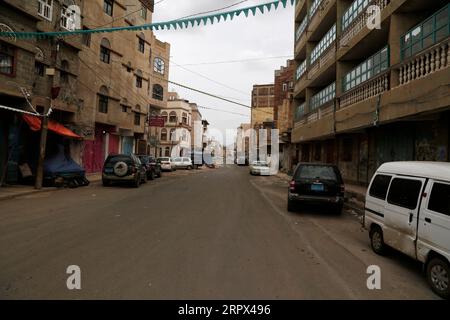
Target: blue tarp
[[60, 164]]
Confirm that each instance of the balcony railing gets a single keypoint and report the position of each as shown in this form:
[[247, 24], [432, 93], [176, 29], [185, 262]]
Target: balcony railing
[[428, 62], [429, 32], [301, 28], [366, 90], [327, 55], [300, 70], [373, 66], [323, 96], [355, 18]]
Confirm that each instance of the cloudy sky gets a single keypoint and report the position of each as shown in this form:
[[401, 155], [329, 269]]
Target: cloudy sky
[[261, 36]]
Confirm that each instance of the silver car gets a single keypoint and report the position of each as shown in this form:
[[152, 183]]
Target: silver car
[[259, 168]]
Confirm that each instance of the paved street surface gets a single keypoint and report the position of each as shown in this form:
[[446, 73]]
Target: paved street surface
[[209, 234]]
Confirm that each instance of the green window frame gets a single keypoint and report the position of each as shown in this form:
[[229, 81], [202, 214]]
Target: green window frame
[[427, 33], [314, 6], [373, 66], [301, 70], [324, 43], [300, 111], [301, 28], [353, 11], [323, 96]]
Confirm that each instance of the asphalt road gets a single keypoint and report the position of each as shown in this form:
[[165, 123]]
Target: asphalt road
[[206, 234]]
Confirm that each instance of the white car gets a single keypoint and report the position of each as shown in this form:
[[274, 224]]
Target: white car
[[408, 208], [182, 163], [260, 168], [166, 164]]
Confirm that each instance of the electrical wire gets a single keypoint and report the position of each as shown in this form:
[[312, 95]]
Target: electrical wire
[[235, 61]]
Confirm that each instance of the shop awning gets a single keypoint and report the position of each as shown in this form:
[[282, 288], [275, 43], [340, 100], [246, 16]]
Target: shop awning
[[35, 125]]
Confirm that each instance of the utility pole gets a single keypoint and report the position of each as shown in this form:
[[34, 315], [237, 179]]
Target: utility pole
[[44, 122]]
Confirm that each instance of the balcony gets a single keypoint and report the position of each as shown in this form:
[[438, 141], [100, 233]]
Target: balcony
[[298, 7], [300, 112], [368, 79], [355, 19], [324, 52], [323, 97]]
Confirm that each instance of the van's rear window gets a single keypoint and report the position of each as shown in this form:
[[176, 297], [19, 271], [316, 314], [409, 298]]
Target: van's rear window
[[316, 172]]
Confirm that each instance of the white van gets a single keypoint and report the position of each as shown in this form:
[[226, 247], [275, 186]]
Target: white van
[[408, 208]]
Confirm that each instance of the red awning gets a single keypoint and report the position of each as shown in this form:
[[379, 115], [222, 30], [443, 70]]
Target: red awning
[[35, 125]]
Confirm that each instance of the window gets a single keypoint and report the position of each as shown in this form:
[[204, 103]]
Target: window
[[137, 119], [108, 7], [63, 73], [138, 82], [301, 28], [285, 87], [164, 135], [173, 117], [167, 152], [103, 100], [367, 70], [300, 111], [158, 65], [143, 12], [158, 92], [86, 38], [440, 198], [323, 96], [45, 9], [39, 68], [105, 53], [141, 45], [312, 172], [184, 118], [164, 115], [427, 33], [314, 7], [172, 135], [124, 109], [6, 59], [301, 70], [380, 186], [353, 11], [67, 18], [404, 193], [323, 45]]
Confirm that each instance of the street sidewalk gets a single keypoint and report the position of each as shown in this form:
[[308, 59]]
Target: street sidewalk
[[14, 191], [354, 194]]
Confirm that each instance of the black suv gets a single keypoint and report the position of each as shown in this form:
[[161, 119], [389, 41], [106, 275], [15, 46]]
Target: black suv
[[152, 166], [123, 168], [316, 183]]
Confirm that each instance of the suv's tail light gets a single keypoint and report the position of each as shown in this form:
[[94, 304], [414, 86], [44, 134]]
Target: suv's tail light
[[292, 185]]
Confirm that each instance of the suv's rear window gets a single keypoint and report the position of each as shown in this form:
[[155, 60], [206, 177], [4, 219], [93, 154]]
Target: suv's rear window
[[313, 172], [440, 198], [115, 159], [164, 159]]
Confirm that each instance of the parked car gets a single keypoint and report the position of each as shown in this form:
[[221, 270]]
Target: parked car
[[316, 183], [183, 163], [260, 168], [152, 166], [167, 164], [125, 169], [408, 208]]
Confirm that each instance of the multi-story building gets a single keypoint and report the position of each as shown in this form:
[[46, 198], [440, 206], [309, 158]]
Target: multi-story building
[[262, 113], [123, 79], [175, 137], [283, 111], [364, 96], [40, 73]]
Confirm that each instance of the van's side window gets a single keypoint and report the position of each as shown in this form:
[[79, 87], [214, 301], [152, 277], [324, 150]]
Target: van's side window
[[440, 198], [404, 193], [380, 186]]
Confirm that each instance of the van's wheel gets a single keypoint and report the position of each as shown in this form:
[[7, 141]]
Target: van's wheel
[[377, 241], [438, 272]]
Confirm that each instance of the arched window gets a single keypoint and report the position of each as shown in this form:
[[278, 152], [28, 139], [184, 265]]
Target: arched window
[[164, 134], [184, 118], [173, 117], [164, 115], [105, 51], [158, 92], [167, 152], [103, 100], [172, 135]]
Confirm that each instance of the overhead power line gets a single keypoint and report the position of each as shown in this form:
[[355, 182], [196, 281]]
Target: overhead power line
[[234, 61]]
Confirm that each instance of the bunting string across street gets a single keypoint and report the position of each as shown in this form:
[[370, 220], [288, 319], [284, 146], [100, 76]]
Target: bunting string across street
[[167, 25]]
